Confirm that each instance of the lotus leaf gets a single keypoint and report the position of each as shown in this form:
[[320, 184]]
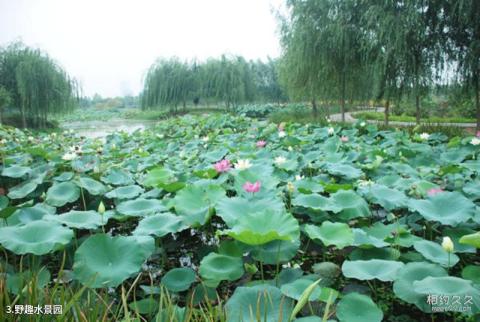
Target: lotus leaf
[[140, 207], [36, 237], [217, 267], [106, 261], [267, 300], [435, 253], [62, 193], [337, 234], [384, 270], [355, 307], [78, 219], [159, 225], [448, 208], [179, 279]]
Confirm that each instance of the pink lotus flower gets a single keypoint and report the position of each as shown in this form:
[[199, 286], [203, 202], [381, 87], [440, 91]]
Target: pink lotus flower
[[344, 139], [222, 166], [478, 134], [261, 144], [434, 191], [252, 187]]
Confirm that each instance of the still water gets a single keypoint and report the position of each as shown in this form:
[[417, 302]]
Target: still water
[[100, 129]]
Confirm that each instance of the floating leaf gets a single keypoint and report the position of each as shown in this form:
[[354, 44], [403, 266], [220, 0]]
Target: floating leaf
[[15, 171], [127, 192], [159, 225], [93, 187], [78, 219]]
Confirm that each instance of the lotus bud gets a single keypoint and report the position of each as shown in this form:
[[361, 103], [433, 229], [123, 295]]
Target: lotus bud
[[290, 187], [43, 196], [447, 244], [101, 208], [250, 268]]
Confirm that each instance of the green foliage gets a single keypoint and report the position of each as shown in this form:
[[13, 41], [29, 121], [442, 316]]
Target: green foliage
[[37, 86]]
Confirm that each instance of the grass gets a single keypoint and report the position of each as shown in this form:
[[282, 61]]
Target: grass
[[378, 116]]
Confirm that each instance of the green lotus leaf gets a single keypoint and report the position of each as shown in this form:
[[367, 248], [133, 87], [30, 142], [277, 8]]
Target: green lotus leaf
[[344, 170], [348, 205], [337, 234], [313, 201], [140, 207], [277, 251], [93, 187], [407, 275], [62, 193], [28, 214], [449, 286], [15, 171], [160, 225], [127, 192], [296, 288], [383, 270], [217, 267], [78, 219], [448, 208], [456, 233], [262, 173], [362, 238], [147, 305], [471, 239], [355, 307], [264, 226], [386, 253], [308, 319], [117, 177], [106, 261], [36, 237], [472, 189], [16, 282], [232, 209], [22, 190], [65, 176], [308, 186], [157, 177], [179, 279], [85, 163], [435, 253], [387, 198], [265, 300], [194, 203], [472, 272]]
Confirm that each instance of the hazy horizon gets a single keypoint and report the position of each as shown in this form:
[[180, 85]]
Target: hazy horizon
[[108, 45]]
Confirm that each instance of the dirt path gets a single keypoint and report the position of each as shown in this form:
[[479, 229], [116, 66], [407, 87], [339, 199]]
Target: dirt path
[[350, 118]]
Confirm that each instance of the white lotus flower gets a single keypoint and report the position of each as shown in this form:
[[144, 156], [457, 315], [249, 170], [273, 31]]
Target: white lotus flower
[[242, 164], [69, 156], [298, 177], [282, 134], [280, 160], [362, 124], [205, 139], [160, 136], [30, 138], [290, 148], [475, 141], [424, 136], [331, 131]]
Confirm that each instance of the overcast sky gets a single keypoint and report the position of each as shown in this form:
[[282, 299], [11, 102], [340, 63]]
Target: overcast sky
[[109, 44]]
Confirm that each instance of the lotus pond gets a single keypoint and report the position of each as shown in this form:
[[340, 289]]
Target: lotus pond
[[223, 218]]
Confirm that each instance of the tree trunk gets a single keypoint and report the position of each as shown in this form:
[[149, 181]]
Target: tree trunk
[[24, 120], [314, 108], [387, 111], [1, 116], [477, 104], [184, 106], [417, 108], [342, 103]]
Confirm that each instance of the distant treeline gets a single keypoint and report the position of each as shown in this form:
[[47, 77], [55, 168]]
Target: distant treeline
[[228, 80]]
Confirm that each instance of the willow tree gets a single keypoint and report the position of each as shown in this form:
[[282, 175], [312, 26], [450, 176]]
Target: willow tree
[[321, 50], [5, 101], [464, 34], [39, 87]]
